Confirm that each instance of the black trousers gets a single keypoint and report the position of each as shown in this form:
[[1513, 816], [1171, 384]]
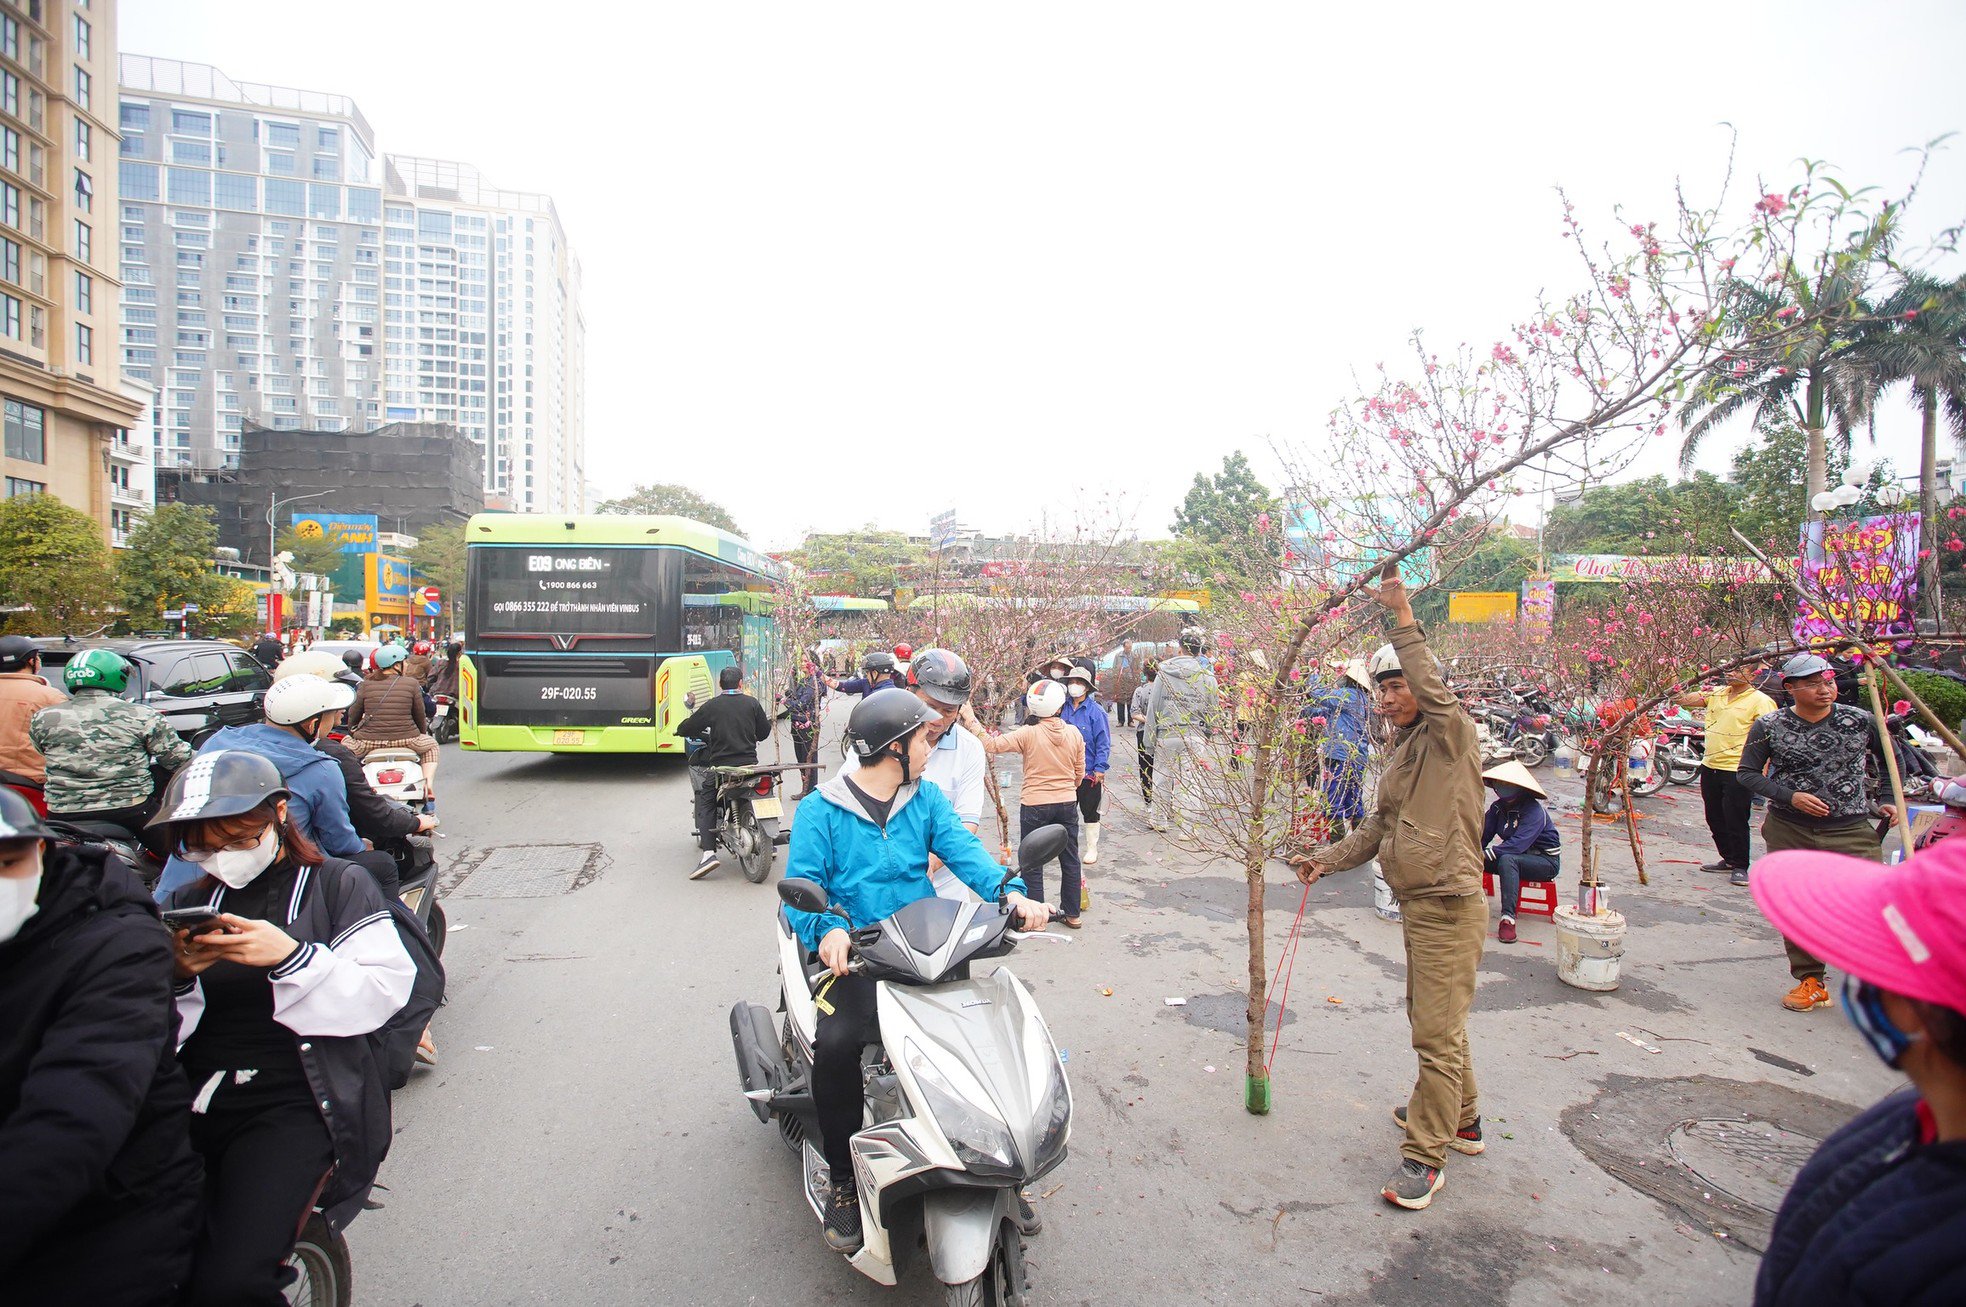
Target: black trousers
[[131, 819], [266, 1150], [383, 868], [1029, 818], [1090, 797], [805, 748], [1729, 804], [853, 1024], [705, 782], [1146, 767]]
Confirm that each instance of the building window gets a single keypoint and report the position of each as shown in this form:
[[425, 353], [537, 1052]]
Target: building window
[[85, 345], [188, 186], [82, 241], [81, 37], [84, 140], [10, 260], [10, 93], [83, 82], [283, 136], [327, 168], [85, 192], [134, 117], [193, 152], [9, 149], [324, 201], [139, 181], [25, 424], [17, 486], [286, 197], [234, 190], [187, 122], [10, 37], [85, 293]]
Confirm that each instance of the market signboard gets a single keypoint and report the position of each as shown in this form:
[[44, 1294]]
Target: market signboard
[[1617, 569], [1866, 570]]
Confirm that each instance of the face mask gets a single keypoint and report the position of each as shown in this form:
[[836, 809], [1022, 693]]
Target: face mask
[[17, 895], [238, 868], [1076, 690], [1863, 1003]]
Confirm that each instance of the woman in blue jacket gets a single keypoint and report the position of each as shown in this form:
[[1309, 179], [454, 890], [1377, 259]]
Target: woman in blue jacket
[[1518, 840], [1085, 714], [865, 838]]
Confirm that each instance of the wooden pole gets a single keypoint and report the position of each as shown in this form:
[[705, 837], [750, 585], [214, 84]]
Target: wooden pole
[[1890, 755]]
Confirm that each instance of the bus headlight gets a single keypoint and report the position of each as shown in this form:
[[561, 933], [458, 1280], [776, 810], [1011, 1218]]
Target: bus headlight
[[982, 1141]]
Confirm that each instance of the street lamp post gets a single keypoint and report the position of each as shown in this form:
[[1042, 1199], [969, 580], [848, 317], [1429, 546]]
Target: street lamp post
[[273, 502]]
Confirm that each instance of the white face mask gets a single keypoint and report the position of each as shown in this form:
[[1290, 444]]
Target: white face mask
[[238, 868], [17, 895], [1076, 690]]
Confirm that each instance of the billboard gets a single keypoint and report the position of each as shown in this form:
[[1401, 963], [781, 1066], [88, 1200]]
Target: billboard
[[1866, 570], [1478, 606], [386, 584], [1345, 538], [354, 533], [1538, 608], [1614, 569]]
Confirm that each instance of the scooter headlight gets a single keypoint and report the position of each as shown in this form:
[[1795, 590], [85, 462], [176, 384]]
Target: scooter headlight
[[1058, 1120], [982, 1142]]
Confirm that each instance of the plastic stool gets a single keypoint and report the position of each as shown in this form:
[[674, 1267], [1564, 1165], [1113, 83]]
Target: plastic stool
[[1538, 896]]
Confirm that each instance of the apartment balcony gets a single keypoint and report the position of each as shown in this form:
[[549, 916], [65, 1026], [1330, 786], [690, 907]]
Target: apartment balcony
[[125, 497]]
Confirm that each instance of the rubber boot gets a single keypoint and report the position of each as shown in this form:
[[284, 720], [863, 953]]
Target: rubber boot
[[1090, 853]]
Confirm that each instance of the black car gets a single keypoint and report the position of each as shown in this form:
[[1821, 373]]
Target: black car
[[198, 685]]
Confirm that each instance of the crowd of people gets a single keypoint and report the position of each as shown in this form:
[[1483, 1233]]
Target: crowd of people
[[194, 1070]]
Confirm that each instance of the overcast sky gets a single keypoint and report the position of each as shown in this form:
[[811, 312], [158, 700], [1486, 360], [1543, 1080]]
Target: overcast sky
[[851, 262]]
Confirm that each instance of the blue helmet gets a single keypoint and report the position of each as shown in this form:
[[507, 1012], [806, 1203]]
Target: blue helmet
[[388, 656]]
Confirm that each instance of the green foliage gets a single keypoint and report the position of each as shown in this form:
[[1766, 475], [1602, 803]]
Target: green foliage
[[869, 562], [168, 564], [1497, 562], [438, 559], [53, 562], [311, 553], [1941, 694], [1224, 506], [666, 497], [1646, 516]]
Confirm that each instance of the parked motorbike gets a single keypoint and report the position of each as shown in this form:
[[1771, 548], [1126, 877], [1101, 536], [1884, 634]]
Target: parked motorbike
[[443, 721], [119, 840], [748, 812], [323, 1268], [1681, 747], [966, 1095]]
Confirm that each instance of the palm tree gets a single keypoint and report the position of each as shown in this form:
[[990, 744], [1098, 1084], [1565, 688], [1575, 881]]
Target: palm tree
[[1919, 341], [1791, 374]]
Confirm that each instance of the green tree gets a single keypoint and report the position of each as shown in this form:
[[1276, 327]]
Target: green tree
[[1224, 506], [1920, 344], [438, 559], [665, 497], [1498, 561], [311, 553], [54, 567], [869, 562], [1644, 516], [168, 564]]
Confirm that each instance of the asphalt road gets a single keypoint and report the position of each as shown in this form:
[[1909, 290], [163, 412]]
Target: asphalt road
[[583, 1140]]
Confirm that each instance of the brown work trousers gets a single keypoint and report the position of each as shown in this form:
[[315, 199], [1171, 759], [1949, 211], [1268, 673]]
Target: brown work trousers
[[1444, 938], [1858, 839]]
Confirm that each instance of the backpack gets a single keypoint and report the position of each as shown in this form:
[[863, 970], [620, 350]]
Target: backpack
[[396, 1039]]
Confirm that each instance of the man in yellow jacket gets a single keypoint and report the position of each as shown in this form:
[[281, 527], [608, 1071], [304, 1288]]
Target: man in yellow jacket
[[1426, 833]]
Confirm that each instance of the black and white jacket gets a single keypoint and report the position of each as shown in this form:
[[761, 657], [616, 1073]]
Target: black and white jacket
[[349, 976]]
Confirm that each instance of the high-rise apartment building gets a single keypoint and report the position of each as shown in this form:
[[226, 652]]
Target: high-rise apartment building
[[251, 248], [482, 327], [279, 272], [62, 402]]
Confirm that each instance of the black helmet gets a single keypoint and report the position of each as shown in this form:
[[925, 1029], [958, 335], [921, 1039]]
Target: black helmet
[[878, 661], [222, 784], [354, 659], [1191, 640], [18, 820], [944, 676], [883, 718], [16, 652]]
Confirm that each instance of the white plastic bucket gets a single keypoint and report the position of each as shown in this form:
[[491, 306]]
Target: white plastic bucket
[[1383, 901], [1589, 948]]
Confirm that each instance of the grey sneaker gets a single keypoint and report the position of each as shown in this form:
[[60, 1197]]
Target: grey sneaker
[[708, 864], [1027, 1218], [843, 1218], [1740, 877], [1413, 1185]]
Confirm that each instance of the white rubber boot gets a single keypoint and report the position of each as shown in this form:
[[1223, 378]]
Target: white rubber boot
[[1091, 851]]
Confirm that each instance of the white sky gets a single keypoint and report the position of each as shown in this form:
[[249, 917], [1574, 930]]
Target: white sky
[[852, 262]]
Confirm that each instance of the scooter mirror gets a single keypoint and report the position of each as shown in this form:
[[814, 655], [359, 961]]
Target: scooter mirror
[[802, 894], [1041, 846]]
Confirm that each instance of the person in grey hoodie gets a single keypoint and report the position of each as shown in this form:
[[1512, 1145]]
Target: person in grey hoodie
[[1143, 694], [1180, 721]]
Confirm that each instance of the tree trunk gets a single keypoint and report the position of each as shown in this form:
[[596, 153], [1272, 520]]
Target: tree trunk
[[1928, 509], [1812, 429]]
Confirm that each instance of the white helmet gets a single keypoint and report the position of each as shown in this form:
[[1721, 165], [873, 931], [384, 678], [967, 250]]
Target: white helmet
[[310, 662], [295, 699], [1385, 662], [1045, 699]]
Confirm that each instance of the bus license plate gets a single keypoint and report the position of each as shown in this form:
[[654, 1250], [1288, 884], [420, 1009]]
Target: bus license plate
[[771, 807], [569, 737]]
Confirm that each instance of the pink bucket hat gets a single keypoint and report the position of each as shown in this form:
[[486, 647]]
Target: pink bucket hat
[[1901, 928]]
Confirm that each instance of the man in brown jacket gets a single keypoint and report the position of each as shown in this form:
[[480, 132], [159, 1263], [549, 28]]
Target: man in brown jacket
[[22, 694], [1426, 832]]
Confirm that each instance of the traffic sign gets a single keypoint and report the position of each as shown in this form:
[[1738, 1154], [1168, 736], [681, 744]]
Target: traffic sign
[[430, 595]]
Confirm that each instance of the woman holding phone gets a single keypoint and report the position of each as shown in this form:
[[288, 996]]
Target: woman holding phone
[[276, 997]]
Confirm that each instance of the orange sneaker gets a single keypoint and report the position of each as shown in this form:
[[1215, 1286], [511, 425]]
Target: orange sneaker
[[1807, 996]]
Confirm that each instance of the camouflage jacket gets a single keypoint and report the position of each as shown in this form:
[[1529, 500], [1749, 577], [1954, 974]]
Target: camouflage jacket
[[100, 750]]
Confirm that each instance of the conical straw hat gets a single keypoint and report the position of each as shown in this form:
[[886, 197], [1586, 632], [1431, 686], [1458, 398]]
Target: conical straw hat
[[1512, 772]]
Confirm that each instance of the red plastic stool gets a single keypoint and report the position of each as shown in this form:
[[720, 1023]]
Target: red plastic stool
[[1538, 896]]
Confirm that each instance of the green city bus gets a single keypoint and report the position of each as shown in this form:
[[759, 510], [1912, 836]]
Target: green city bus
[[583, 634]]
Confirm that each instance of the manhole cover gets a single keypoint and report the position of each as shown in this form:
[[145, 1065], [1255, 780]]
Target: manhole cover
[[1755, 1161], [531, 871]]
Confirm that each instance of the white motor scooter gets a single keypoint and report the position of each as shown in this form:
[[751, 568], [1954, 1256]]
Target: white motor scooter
[[397, 775], [966, 1099]]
